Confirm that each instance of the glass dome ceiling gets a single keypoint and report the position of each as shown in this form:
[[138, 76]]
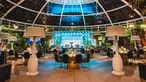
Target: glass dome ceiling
[[70, 12]]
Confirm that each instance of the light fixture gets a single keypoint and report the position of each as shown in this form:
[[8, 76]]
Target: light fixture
[[131, 25], [34, 32], [3, 36], [116, 31], [12, 38], [135, 38], [15, 26], [72, 23]]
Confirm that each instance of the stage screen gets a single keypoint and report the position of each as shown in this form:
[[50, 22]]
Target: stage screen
[[72, 39]]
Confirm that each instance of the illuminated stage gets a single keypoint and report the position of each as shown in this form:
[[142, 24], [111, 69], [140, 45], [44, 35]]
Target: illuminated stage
[[73, 39]]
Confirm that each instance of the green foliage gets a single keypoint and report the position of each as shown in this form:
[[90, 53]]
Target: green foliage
[[108, 44], [137, 30], [46, 46], [52, 46], [18, 45]]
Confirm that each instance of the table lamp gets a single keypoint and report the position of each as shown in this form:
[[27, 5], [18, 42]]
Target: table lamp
[[135, 38], [12, 38], [116, 31], [3, 36], [33, 32]]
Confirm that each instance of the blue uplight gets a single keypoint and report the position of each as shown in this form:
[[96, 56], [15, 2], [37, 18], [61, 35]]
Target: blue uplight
[[30, 42]]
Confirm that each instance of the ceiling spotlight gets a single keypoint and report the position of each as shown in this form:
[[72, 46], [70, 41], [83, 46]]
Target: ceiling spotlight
[[46, 30], [15, 26], [131, 25], [131, 16], [72, 23]]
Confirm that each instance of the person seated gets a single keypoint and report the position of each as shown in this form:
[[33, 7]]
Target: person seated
[[29, 49], [55, 51], [63, 51], [141, 53], [84, 56], [92, 53], [82, 50], [5, 48]]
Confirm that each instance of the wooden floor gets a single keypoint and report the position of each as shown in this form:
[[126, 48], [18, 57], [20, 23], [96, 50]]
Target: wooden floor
[[99, 71]]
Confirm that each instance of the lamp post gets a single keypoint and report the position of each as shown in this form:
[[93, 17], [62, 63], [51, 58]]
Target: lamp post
[[117, 63], [33, 32], [12, 38], [135, 38]]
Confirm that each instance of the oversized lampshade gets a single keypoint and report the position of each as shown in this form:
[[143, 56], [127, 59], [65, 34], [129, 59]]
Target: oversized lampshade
[[135, 37], [113, 38], [4, 35], [34, 32], [12, 38], [37, 38], [115, 31]]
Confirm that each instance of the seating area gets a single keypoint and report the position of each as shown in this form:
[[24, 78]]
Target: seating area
[[76, 60]]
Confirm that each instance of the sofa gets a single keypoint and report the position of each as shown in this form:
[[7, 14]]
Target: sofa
[[5, 72], [142, 71]]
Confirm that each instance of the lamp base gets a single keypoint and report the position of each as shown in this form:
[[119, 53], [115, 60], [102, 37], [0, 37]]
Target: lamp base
[[118, 73], [117, 65], [32, 73], [32, 66]]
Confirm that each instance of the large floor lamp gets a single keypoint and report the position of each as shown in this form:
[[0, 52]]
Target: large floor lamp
[[35, 32], [135, 38], [3, 36], [114, 42], [12, 38], [117, 63]]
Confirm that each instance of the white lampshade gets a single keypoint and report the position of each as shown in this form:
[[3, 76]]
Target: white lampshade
[[37, 38], [12, 38], [113, 38], [115, 31], [135, 37], [34, 32], [4, 35]]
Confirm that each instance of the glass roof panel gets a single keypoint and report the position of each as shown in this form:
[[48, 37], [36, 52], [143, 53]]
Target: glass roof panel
[[90, 8], [72, 21], [123, 14], [54, 8], [111, 4], [22, 15], [72, 2], [72, 10], [33, 4], [15, 1], [72, 13], [48, 20], [96, 19], [4, 7]]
